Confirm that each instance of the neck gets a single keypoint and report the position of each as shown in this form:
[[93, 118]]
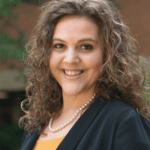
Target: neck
[[73, 103]]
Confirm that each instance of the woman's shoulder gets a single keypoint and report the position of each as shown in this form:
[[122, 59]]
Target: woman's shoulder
[[121, 109], [119, 105], [118, 113]]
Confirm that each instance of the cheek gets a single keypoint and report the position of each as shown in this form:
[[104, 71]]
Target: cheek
[[52, 60], [95, 61], [97, 64], [52, 64]]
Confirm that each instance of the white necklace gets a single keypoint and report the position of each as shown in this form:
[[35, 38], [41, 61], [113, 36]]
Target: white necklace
[[65, 124]]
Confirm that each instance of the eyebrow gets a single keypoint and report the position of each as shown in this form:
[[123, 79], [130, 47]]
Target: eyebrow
[[82, 40]]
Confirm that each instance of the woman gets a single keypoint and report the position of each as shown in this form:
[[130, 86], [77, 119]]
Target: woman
[[85, 85]]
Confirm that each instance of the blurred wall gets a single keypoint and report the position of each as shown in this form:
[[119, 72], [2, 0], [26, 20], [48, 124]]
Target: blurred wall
[[136, 14]]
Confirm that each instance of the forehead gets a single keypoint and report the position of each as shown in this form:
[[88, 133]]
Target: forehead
[[77, 25]]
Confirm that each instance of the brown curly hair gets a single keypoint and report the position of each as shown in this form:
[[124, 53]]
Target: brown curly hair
[[122, 78]]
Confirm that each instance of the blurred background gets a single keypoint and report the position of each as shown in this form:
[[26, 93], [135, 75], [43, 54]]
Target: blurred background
[[17, 19]]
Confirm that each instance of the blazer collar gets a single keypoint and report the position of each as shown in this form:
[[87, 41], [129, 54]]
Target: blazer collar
[[76, 133]]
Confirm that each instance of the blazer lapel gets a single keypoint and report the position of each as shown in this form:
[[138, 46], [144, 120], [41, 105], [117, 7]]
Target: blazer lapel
[[74, 136], [30, 141]]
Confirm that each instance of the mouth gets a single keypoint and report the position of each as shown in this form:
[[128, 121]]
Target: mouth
[[73, 74]]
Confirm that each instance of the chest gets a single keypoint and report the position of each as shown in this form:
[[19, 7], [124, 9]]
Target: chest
[[60, 133], [55, 135]]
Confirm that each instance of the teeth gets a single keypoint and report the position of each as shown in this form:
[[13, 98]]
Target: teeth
[[72, 73]]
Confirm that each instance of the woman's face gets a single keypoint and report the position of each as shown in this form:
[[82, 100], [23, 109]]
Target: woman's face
[[76, 47]]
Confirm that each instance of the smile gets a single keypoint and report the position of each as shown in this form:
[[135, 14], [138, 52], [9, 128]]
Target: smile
[[72, 75]]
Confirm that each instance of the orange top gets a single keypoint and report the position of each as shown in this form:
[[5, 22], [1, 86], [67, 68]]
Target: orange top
[[48, 145]]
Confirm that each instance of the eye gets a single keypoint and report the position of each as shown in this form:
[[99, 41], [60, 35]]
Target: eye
[[59, 46], [87, 46]]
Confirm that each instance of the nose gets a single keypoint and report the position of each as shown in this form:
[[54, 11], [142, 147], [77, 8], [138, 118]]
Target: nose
[[71, 56]]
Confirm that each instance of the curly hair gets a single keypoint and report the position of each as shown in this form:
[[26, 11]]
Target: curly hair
[[122, 77]]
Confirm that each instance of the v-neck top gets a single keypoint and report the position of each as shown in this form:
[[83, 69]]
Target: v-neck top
[[48, 145]]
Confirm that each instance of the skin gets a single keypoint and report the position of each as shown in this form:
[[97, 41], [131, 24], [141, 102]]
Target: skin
[[73, 54]]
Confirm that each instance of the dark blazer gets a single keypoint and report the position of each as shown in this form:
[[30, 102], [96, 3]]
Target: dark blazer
[[103, 126]]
